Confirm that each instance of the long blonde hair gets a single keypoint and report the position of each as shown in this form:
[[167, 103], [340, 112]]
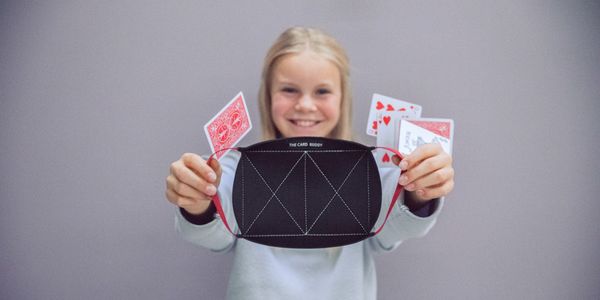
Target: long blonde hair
[[296, 40]]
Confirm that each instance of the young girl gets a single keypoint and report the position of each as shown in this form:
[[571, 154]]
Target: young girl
[[305, 91]]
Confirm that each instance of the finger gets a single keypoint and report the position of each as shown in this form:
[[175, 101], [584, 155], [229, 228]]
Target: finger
[[216, 166], [184, 189], [179, 200], [186, 175], [421, 153], [196, 163], [433, 179], [193, 170], [425, 167], [436, 191], [182, 178]]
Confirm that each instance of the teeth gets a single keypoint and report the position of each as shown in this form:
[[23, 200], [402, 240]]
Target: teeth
[[304, 123]]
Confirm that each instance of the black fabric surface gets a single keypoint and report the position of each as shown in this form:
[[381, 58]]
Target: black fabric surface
[[306, 192]]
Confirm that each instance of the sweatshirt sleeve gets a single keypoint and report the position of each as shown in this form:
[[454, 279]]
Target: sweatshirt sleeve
[[214, 235], [402, 224]]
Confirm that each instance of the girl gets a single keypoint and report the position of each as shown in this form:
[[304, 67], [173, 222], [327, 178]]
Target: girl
[[305, 91]]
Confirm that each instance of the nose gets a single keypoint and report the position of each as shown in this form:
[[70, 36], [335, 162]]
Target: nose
[[306, 103]]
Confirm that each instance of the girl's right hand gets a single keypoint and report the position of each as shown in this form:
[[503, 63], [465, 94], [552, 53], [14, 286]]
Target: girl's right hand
[[192, 183]]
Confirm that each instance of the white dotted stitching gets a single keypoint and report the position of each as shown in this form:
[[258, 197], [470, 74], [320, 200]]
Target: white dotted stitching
[[285, 151], [305, 200], [243, 195], [301, 235], [368, 196], [274, 194], [336, 192]]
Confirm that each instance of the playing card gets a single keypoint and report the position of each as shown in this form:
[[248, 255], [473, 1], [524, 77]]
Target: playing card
[[382, 104], [416, 132], [388, 134], [229, 126]]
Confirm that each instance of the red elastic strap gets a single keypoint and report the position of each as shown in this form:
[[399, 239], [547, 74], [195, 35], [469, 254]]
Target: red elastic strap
[[396, 192], [216, 200]]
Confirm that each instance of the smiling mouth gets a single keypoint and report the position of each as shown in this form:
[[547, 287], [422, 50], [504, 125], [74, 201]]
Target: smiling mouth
[[305, 123]]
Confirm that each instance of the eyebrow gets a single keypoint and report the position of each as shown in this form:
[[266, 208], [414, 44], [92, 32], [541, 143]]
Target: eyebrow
[[327, 83]]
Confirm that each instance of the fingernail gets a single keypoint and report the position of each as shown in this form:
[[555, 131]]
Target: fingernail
[[403, 165], [420, 192], [410, 187], [212, 176], [211, 190], [403, 180]]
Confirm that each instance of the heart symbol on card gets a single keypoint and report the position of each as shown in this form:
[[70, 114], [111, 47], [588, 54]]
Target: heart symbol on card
[[386, 158], [386, 120], [390, 107], [374, 125], [402, 109], [379, 105]]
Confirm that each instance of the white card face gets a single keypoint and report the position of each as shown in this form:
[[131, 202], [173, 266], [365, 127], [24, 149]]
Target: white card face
[[416, 132], [382, 104]]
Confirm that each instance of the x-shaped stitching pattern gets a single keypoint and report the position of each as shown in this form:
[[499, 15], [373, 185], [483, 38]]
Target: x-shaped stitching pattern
[[274, 193], [304, 155]]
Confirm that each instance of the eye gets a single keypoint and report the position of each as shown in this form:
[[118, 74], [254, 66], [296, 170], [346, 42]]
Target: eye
[[323, 91], [289, 90]]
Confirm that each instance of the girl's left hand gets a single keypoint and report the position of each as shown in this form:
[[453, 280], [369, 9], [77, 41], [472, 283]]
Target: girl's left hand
[[427, 173]]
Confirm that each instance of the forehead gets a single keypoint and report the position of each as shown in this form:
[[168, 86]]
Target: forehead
[[306, 66]]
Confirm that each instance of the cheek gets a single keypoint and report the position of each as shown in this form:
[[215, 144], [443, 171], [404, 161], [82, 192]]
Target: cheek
[[332, 109], [278, 108]]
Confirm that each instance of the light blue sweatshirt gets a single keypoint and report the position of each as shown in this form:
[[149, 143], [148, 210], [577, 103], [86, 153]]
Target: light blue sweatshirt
[[263, 272]]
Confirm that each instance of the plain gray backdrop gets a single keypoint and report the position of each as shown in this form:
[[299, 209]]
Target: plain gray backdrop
[[98, 98]]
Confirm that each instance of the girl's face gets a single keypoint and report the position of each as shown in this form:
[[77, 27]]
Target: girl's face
[[306, 95]]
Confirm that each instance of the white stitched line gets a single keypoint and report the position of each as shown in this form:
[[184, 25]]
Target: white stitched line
[[336, 192], [302, 235], [305, 201], [368, 196], [274, 193], [284, 151], [243, 195]]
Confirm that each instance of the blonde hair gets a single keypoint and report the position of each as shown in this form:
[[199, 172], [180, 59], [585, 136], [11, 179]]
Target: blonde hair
[[293, 41]]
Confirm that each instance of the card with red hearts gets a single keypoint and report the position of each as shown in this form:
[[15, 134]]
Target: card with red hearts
[[382, 105], [387, 135], [228, 126]]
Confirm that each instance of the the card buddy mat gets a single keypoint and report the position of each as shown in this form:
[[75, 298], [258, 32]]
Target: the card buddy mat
[[314, 192], [306, 192]]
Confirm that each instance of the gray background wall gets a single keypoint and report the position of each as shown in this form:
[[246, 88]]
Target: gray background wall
[[97, 98]]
